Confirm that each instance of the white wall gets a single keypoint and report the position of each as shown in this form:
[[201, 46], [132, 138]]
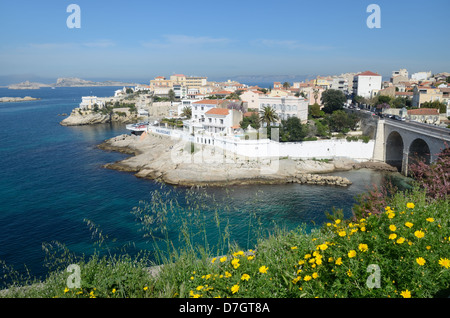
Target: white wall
[[263, 148]]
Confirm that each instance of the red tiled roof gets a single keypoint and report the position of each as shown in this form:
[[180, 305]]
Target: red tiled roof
[[218, 111], [208, 102], [423, 111], [248, 114], [368, 73]]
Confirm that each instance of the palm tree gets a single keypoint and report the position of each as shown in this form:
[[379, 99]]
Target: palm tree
[[286, 85], [186, 112], [268, 115]]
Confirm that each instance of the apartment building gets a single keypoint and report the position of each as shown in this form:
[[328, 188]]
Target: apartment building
[[366, 84], [222, 120], [422, 94]]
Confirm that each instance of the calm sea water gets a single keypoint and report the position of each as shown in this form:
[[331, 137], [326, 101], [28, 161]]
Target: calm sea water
[[52, 180]]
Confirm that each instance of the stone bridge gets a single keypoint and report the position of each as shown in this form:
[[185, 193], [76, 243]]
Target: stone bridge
[[400, 143]]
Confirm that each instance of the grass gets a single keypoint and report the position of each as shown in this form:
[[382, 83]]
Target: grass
[[402, 252]]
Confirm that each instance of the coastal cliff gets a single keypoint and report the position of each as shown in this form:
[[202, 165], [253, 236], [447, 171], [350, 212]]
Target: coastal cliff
[[17, 99], [180, 163], [82, 117]]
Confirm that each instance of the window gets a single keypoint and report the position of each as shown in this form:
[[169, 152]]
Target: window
[[221, 121]]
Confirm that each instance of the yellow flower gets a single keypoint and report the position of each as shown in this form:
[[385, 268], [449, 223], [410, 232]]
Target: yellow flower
[[245, 277], [420, 261], [363, 247], [409, 224], [227, 274], [66, 290], [337, 221], [342, 233], [392, 236], [445, 262], [363, 228], [199, 287], [391, 215], [307, 277], [352, 253], [145, 288], [349, 273], [323, 247], [419, 234], [339, 261], [238, 253], [430, 219], [235, 289], [113, 291], [223, 259], [315, 275], [392, 227], [235, 263], [250, 257], [401, 240], [301, 262], [406, 294], [307, 256], [293, 247], [263, 269], [410, 205], [213, 260]]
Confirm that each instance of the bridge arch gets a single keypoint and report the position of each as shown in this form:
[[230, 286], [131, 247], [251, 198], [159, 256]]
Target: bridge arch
[[419, 150], [394, 150]]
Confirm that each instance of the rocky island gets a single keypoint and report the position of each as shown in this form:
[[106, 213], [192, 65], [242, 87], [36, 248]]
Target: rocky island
[[17, 99], [181, 163]]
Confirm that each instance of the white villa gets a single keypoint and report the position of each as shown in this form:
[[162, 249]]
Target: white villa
[[89, 102], [286, 107], [222, 120]]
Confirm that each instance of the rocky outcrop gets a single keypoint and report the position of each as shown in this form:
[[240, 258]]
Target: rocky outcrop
[[16, 99], [175, 162], [80, 117]]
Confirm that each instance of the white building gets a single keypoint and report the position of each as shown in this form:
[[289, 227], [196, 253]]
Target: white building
[[222, 120], [421, 76], [340, 83], [286, 106], [89, 102], [199, 108], [252, 98], [366, 84]]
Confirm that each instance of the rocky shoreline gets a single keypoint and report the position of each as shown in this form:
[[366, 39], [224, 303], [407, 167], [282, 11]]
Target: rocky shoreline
[[79, 117], [175, 162]]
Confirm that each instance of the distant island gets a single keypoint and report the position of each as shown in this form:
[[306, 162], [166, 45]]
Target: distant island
[[16, 99], [68, 82]]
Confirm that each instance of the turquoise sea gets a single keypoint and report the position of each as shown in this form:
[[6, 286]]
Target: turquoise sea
[[52, 180]]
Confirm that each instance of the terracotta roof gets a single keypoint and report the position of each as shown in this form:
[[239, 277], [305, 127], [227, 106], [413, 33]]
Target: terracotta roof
[[368, 73], [248, 114], [221, 93], [218, 111], [423, 111], [208, 102]]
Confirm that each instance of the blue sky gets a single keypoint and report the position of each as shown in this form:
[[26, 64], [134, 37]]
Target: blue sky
[[142, 39]]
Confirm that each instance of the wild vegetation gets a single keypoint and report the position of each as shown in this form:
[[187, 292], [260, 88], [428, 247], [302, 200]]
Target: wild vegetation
[[396, 245]]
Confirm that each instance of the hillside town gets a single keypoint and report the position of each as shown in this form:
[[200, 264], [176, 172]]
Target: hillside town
[[198, 105]]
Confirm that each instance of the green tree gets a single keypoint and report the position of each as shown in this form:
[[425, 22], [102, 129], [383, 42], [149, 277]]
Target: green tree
[[286, 85], [333, 100], [252, 120], [340, 121], [381, 99], [292, 130], [186, 112], [268, 115], [314, 110], [435, 104], [171, 95]]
